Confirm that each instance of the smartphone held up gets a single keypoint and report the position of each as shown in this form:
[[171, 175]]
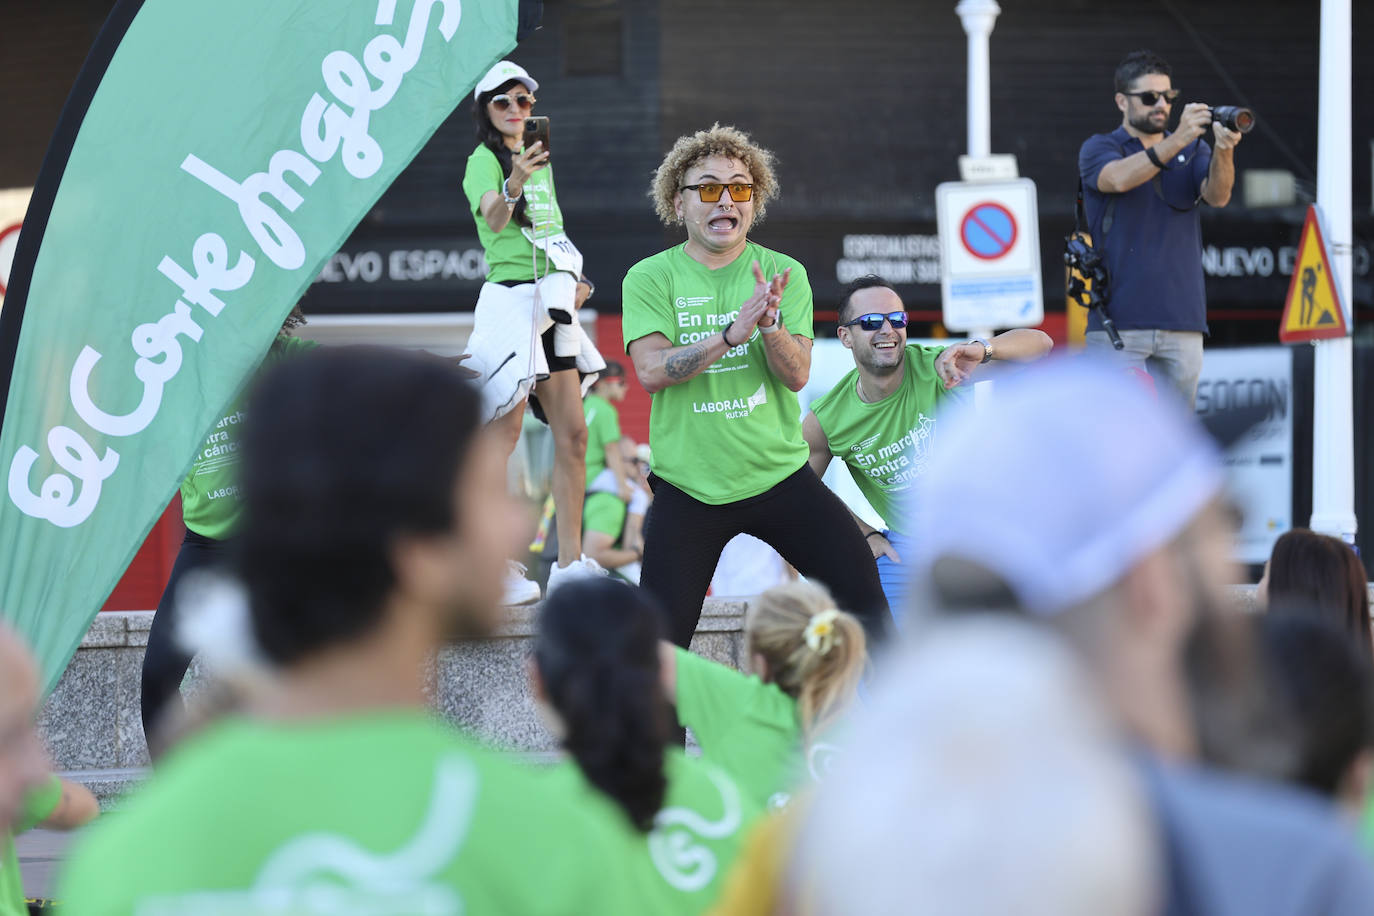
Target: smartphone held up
[[537, 131]]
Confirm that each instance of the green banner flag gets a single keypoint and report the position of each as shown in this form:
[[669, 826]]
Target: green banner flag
[[212, 156]]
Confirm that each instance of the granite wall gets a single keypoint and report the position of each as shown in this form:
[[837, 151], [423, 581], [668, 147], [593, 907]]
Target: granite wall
[[93, 728]]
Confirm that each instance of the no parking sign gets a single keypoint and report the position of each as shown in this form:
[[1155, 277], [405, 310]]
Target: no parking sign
[[990, 254]]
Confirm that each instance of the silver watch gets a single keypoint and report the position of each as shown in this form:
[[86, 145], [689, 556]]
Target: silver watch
[[505, 192], [987, 349]]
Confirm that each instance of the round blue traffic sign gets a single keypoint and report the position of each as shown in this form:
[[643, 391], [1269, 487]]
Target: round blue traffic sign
[[988, 230]]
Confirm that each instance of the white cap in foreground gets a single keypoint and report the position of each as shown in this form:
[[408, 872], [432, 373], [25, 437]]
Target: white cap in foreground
[[1061, 483]]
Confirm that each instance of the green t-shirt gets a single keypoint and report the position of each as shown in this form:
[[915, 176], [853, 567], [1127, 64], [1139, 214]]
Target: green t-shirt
[[384, 812], [746, 727], [734, 431], [210, 492], [509, 253], [681, 864], [37, 806], [603, 429], [886, 445]]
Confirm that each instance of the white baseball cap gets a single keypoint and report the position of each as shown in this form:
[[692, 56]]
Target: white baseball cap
[[1068, 477], [503, 72]]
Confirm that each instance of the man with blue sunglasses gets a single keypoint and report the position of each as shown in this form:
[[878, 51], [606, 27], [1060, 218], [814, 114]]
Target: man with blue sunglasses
[[881, 418]]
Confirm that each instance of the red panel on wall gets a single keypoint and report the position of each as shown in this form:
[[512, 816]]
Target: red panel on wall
[[634, 412], [142, 583]]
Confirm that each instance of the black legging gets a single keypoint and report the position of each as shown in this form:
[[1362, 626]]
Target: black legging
[[164, 662], [799, 517]]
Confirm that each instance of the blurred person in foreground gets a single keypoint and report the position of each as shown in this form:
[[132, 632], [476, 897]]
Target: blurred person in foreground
[[1308, 572], [982, 780], [1110, 530], [31, 795], [375, 524], [775, 730], [596, 678]]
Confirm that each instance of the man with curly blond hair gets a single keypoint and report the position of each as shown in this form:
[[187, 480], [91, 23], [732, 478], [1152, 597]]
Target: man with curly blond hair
[[719, 329]]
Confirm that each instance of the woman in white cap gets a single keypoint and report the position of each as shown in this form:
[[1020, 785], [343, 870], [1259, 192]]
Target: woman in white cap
[[526, 341]]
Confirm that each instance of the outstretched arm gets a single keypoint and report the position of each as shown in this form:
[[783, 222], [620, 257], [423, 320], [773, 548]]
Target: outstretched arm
[[1022, 345]]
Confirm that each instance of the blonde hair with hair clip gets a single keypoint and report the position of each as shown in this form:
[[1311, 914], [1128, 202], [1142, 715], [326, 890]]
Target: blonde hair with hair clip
[[730, 142], [815, 652]]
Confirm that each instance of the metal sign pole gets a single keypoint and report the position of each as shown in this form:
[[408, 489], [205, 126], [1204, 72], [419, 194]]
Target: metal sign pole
[[978, 18], [1333, 435]]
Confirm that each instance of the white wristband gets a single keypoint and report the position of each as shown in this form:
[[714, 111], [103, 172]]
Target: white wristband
[[769, 329]]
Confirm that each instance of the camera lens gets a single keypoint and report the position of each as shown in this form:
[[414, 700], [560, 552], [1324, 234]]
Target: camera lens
[[1233, 117]]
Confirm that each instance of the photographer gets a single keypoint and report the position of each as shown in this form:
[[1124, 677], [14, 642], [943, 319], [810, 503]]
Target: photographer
[[1141, 188]]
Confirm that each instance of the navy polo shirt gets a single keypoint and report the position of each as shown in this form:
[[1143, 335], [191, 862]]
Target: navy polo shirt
[[1153, 252]]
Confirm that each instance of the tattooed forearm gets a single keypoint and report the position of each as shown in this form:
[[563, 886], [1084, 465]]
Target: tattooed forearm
[[789, 359], [686, 362]]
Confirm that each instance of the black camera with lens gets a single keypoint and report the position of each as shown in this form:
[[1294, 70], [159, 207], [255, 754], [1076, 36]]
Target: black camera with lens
[[1234, 117], [1089, 283]]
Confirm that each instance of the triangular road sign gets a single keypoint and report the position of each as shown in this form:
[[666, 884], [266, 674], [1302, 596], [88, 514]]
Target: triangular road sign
[[1312, 310]]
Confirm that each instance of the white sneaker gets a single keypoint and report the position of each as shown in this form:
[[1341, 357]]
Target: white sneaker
[[583, 566], [519, 590]]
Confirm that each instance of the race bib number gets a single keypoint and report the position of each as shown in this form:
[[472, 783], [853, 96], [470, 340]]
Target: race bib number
[[562, 253]]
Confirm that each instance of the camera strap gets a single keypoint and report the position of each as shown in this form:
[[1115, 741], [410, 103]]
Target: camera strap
[[1080, 218]]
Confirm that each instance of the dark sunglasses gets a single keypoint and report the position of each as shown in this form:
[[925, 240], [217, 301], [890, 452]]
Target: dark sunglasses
[[1151, 99], [874, 320], [506, 102], [710, 193]]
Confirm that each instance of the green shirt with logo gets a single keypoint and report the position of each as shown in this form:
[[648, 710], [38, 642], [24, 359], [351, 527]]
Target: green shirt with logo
[[734, 431], [384, 813], [746, 727], [37, 806], [682, 862], [210, 492], [603, 428], [887, 444], [510, 255]]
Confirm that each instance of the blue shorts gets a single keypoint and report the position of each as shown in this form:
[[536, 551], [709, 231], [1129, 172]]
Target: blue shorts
[[893, 576]]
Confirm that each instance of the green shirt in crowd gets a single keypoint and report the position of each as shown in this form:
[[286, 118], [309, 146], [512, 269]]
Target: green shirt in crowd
[[746, 727], [38, 805], [681, 864], [603, 429], [509, 253], [382, 813], [734, 431], [887, 444], [210, 492]]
